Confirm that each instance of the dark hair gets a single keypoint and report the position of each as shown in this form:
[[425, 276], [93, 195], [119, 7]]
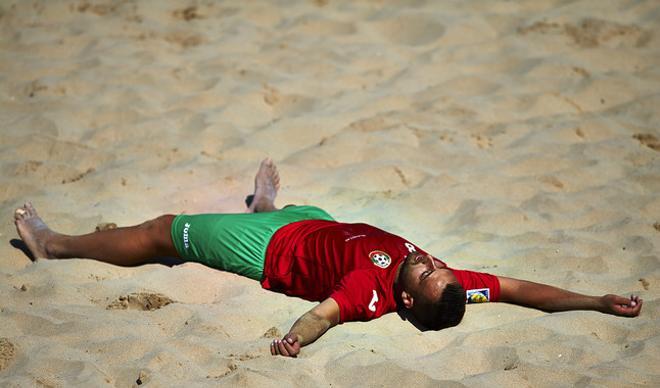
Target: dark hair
[[445, 312]]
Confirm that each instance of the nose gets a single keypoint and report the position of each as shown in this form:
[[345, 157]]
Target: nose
[[438, 264], [428, 259]]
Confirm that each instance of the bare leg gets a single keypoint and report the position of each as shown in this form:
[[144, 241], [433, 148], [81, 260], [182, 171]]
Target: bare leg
[[122, 246], [266, 185]]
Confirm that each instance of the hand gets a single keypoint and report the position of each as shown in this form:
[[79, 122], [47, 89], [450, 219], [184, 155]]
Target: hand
[[622, 306], [289, 346]]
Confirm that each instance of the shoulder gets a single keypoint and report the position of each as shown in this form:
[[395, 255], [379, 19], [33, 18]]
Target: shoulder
[[479, 286]]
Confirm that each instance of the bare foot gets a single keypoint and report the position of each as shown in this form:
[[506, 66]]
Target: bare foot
[[266, 184], [33, 231]]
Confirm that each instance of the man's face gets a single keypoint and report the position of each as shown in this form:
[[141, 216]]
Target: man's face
[[423, 277]]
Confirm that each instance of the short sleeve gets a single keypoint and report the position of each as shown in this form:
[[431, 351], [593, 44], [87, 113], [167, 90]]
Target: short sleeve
[[359, 296], [479, 287]]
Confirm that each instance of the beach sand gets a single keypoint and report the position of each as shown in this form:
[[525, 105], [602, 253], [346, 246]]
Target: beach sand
[[516, 138]]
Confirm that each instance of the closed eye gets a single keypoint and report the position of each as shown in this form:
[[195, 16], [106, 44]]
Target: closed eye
[[426, 274]]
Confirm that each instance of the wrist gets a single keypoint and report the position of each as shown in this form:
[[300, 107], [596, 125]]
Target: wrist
[[601, 304]]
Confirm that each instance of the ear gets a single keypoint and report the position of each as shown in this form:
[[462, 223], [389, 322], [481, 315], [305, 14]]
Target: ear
[[407, 299]]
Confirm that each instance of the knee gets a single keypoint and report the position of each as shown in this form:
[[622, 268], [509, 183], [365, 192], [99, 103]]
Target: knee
[[156, 231], [159, 225], [155, 234]]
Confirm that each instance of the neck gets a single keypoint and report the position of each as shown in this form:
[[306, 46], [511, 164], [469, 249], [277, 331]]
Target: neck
[[397, 284], [398, 274]]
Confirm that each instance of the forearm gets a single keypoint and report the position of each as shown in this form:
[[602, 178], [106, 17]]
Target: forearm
[[308, 328], [549, 298]]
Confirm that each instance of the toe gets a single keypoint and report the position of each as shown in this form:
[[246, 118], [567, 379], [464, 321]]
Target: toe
[[19, 214], [32, 210]]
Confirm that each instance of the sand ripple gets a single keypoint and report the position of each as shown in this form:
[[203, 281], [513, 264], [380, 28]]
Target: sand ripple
[[515, 137]]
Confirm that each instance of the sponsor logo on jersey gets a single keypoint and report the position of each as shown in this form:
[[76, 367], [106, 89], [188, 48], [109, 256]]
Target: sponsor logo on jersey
[[354, 237], [479, 295], [186, 242], [380, 259], [374, 300]]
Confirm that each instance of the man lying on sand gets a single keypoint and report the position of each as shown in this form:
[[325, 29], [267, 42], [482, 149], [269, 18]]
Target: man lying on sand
[[357, 272]]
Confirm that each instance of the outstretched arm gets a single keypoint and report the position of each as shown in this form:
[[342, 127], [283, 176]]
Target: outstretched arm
[[307, 329], [549, 298]]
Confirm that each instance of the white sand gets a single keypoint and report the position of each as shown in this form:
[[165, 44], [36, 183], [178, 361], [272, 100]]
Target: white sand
[[500, 136]]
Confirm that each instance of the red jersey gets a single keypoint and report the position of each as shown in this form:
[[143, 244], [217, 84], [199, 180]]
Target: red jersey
[[354, 264]]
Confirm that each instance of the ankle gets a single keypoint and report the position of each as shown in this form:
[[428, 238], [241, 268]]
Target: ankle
[[264, 206], [53, 247]]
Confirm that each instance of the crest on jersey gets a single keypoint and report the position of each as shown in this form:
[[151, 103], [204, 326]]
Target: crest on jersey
[[479, 295], [380, 259]]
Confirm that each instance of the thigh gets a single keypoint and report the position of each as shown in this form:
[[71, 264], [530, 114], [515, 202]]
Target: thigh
[[234, 242], [229, 242]]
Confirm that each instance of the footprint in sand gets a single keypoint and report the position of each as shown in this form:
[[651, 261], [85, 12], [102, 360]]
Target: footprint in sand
[[592, 33], [595, 32], [402, 176], [78, 176], [97, 9], [552, 181], [183, 39], [371, 124], [318, 26], [27, 168], [187, 14], [140, 301], [243, 356], [482, 142], [648, 140], [412, 30], [7, 353], [273, 332], [287, 104]]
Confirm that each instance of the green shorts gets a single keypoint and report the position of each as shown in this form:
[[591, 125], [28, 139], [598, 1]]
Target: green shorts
[[235, 242]]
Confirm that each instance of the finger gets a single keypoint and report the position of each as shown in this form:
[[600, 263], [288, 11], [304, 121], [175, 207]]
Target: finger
[[276, 348], [620, 300], [630, 311], [290, 338], [281, 348], [273, 349], [289, 348], [634, 300]]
